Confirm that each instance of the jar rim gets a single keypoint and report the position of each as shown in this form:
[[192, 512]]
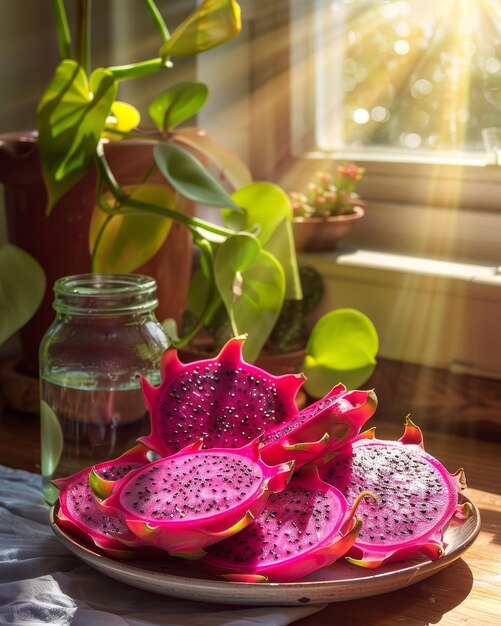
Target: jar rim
[[92, 284], [105, 293]]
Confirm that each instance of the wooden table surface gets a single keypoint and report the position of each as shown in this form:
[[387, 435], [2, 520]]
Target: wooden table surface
[[466, 592]]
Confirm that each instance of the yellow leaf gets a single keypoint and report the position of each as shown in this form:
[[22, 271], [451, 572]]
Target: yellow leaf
[[125, 242], [123, 118], [214, 22]]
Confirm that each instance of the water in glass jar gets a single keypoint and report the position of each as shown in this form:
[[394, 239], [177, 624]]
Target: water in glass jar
[[82, 426]]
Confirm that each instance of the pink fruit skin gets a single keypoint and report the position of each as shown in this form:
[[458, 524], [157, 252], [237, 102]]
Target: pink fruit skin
[[321, 428], [321, 524], [416, 497], [224, 400], [163, 503], [88, 522]]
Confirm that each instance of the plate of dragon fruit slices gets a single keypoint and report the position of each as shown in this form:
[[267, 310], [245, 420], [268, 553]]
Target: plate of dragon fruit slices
[[235, 496], [338, 582]]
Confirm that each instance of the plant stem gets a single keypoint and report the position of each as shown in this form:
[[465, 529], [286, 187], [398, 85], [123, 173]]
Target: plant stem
[[158, 19], [131, 205], [193, 223], [96, 242], [213, 298], [211, 305], [84, 8], [62, 29], [137, 70], [151, 66]]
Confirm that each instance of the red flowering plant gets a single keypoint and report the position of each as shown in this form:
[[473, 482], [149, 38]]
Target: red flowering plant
[[330, 195]]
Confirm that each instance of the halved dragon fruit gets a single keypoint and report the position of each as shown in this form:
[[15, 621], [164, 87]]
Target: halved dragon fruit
[[305, 527], [320, 428], [224, 401], [416, 496], [194, 498], [78, 510]]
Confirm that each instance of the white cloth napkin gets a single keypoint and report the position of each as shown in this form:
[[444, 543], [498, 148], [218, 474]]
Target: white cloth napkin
[[41, 582]]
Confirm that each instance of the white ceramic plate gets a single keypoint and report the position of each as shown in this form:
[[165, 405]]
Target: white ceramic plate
[[338, 582]]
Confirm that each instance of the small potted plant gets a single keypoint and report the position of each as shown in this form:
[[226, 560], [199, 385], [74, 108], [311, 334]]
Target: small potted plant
[[327, 210]]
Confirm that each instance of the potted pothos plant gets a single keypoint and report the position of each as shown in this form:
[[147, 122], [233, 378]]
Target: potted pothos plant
[[247, 256], [327, 209], [80, 121]]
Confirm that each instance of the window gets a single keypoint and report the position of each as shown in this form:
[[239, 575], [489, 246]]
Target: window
[[411, 91], [422, 77]]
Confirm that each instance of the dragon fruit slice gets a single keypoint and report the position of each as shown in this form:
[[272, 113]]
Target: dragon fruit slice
[[194, 498], [224, 401], [416, 496], [305, 527], [78, 510], [320, 428]]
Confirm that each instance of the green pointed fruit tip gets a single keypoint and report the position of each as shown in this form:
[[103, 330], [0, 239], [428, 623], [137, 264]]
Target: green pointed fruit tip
[[307, 445], [100, 487], [150, 530], [465, 510], [362, 563], [190, 556]]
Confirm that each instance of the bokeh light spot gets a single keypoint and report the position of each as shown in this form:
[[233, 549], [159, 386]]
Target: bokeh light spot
[[380, 114], [492, 65], [361, 116], [401, 47]]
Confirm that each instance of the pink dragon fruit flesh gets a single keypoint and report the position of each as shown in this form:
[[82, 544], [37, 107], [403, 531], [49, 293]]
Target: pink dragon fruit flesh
[[320, 428], [187, 501], [416, 497], [79, 512], [306, 526], [224, 401]]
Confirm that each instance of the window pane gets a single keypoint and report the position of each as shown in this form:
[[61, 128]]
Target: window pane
[[415, 75]]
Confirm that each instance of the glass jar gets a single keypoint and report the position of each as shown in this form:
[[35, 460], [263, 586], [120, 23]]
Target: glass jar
[[104, 336]]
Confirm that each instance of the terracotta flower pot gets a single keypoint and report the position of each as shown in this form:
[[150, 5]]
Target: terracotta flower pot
[[315, 234], [60, 242]]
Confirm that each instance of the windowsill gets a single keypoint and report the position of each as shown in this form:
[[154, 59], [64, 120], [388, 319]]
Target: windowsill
[[437, 313]]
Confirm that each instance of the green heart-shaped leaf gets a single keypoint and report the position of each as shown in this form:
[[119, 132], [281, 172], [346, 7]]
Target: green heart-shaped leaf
[[251, 283], [125, 242], [229, 166], [51, 439], [263, 203], [177, 104], [209, 25], [342, 347], [22, 287], [188, 176], [281, 245], [71, 117], [267, 205]]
